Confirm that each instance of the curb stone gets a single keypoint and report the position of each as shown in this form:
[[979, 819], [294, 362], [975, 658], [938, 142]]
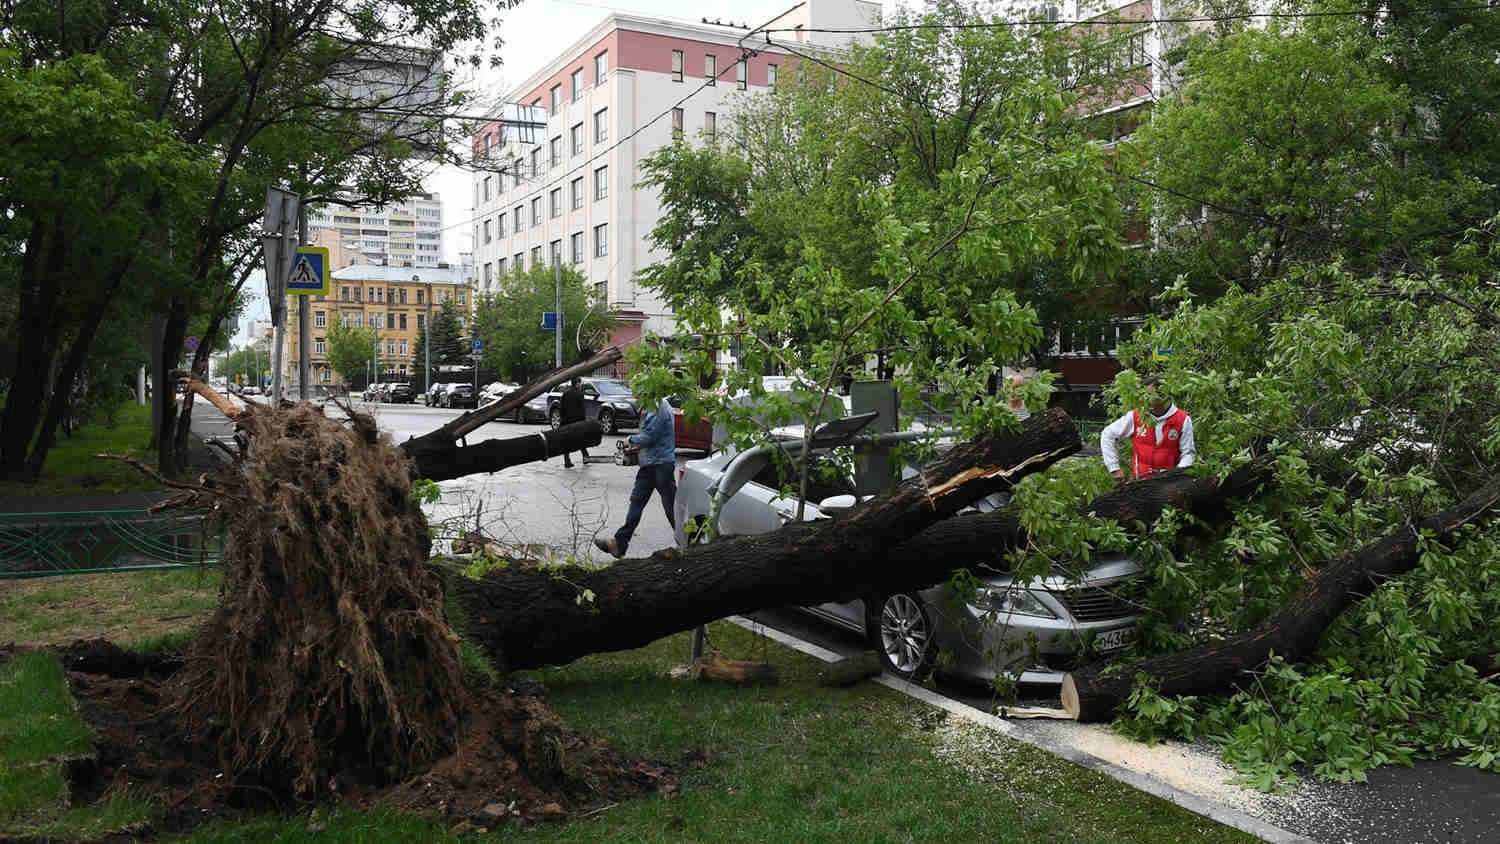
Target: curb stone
[[1155, 787]]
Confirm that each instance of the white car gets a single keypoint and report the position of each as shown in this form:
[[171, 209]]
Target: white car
[[1036, 628]]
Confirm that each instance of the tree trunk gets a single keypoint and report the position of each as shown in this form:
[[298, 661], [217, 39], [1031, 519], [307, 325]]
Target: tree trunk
[[525, 618], [1293, 633], [169, 460], [436, 462], [36, 348]]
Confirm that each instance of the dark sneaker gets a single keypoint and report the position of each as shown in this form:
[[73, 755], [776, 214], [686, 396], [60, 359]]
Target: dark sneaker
[[609, 546]]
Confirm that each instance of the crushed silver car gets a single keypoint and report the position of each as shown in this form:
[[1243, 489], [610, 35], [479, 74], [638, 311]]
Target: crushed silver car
[[1033, 631]]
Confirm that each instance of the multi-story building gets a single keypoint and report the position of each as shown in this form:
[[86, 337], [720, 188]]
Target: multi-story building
[[556, 172], [395, 301], [408, 233]]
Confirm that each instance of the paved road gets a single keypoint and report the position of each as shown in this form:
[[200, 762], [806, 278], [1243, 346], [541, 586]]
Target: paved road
[[545, 504], [536, 503]]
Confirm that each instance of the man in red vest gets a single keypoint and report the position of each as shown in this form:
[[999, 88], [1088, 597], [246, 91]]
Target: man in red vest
[[1164, 440]]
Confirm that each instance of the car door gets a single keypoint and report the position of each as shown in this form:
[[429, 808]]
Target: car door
[[590, 401]]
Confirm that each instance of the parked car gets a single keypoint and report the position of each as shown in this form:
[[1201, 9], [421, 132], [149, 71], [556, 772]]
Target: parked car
[[250, 390], [494, 391], [434, 396], [1038, 627], [608, 400], [400, 393], [459, 395], [371, 392], [694, 436]]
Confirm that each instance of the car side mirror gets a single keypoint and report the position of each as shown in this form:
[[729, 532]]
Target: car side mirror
[[837, 503]]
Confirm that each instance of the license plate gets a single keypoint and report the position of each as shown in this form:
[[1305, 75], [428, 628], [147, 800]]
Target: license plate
[[1113, 640]]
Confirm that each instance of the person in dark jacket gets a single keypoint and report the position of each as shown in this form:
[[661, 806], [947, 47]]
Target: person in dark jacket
[[572, 408]]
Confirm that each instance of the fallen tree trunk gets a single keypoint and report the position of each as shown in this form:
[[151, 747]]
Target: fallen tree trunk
[[1293, 632], [527, 618], [985, 538], [437, 461]]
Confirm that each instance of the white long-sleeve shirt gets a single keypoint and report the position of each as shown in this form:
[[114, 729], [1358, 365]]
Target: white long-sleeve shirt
[[1124, 428]]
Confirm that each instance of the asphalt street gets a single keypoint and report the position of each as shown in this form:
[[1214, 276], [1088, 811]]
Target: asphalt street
[[550, 507]]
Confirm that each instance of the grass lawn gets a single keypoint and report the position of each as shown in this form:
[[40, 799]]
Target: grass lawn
[[72, 469], [791, 762]]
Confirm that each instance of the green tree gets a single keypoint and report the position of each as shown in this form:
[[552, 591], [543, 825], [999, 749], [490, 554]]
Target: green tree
[[448, 347], [510, 321], [350, 350]]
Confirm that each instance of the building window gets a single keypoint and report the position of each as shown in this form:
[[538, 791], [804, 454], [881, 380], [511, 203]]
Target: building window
[[489, 275], [401, 292], [577, 193], [402, 319], [517, 212], [536, 255], [771, 75], [576, 135], [576, 247], [556, 100], [557, 156], [372, 294], [536, 159], [740, 77], [554, 203], [421, 296], [461, 297], [403, 348], [486, 188], [355, 320], [676, 65], [376, 321], [501, 268], [343, 294], [390, 348], [556, 251], [536, 211], [710, 124], [320, 319], [515, 174], [601, 125], [519, 261], [710, 69], [499, 232], [487, 237], [601, 183], [601, 67], [601, 240], [577, 84], [676, 124], [319, 347], [421, 322]]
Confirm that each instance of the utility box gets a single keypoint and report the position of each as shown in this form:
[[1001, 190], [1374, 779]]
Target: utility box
[[872, 469]]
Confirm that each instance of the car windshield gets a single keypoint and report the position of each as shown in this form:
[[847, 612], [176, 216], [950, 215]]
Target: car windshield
[[612, 388]]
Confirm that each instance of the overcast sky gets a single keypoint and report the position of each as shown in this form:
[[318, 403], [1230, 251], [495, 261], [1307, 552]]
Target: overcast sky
[[535, 32]]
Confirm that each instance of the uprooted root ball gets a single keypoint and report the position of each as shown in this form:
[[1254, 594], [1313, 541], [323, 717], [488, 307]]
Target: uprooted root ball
[[329, 654]]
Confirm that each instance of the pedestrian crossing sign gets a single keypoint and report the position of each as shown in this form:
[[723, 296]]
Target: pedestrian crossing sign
[[309, 276]]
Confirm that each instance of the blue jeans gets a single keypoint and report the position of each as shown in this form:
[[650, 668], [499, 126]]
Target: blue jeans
[[660, 477]]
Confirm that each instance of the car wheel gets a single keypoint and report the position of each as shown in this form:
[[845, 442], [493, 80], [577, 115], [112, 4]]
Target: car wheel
[[901, 632], [555, 418], [607, 421]]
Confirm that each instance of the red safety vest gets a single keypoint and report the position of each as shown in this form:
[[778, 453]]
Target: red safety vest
[[1150, 457]]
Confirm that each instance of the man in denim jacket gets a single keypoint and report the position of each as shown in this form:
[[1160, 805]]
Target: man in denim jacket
[[657, 442]]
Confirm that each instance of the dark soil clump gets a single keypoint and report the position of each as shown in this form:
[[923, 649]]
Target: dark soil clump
[[514, 761]]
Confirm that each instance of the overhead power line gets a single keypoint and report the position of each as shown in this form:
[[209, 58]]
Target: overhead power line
[[1103, 21]]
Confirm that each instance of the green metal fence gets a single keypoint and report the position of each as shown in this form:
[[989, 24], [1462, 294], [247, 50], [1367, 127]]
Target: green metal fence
[[40, 544]]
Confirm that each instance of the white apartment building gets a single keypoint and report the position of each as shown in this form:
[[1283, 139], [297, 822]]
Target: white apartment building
[[408, 233], [556, 171]]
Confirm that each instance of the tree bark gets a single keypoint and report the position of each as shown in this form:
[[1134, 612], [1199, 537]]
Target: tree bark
[[526, 618], [437, 462], [1293, 633]]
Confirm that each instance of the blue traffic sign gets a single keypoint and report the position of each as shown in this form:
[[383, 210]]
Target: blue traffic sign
[[309, 272], [549, 320], [478, 344]]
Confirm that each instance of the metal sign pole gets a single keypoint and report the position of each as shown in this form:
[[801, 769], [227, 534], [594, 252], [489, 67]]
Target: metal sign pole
[[557, 281], [304, 322]]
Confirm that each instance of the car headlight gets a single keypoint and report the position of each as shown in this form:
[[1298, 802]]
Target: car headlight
[[1011, 600], [622, 405]]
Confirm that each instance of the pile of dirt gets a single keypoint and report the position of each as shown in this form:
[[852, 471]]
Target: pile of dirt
[[514, 761]]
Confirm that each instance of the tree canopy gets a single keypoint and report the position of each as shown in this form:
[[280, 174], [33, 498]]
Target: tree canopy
[[510, 320]]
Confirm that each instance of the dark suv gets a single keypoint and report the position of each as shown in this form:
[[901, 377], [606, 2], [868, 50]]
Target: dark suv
[[607, 399], [459, 395], [400, 393]]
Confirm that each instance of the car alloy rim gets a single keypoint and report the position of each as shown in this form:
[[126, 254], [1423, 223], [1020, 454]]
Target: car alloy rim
[[903, 633]]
